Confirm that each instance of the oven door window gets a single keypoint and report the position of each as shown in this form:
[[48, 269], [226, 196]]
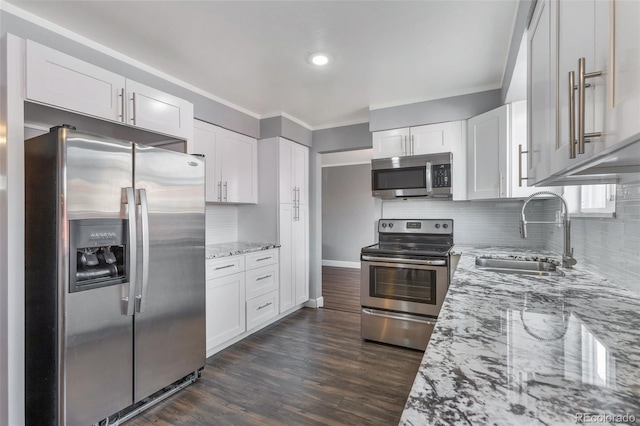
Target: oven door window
[[404, 178], [411, 285]]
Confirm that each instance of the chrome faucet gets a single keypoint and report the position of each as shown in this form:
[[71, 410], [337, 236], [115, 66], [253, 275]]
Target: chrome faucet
[[567, 253]]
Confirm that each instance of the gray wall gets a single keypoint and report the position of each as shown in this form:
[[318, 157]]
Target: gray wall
[[435, 111], [347, 212], [205, 109], [609, 247], [281, 126]]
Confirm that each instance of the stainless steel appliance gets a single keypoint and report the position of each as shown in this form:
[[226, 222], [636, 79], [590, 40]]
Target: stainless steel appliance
[[115, 275], [426, 175], [404, 280]]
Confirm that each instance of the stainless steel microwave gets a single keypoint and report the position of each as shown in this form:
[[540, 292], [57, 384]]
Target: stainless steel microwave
[[427, 175]]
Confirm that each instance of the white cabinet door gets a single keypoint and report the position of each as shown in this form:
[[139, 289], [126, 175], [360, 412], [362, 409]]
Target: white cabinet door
[[431, 139], [225, 307], [541, 91], [63, 81], [487, 154], [391, 143], [287, 276], [300, 245], [285, 172], [152, 109], [624, 116], [204, 141], [300, 166], [237, 160]]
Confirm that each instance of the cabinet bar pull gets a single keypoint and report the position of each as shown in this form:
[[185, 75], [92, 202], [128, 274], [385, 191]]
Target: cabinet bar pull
[[582, 77], [220, 191], [225, 191], [122, 119], [263, 278], [264, 306], [413, 148], [224, 267], [520, 177], [263, 258], [133, 109], [572, 114]]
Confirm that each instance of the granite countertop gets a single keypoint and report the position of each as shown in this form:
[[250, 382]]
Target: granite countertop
[[214, 251], [515, 349]]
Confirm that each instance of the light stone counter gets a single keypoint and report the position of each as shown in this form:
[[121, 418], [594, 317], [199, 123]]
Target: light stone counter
[[215, 251], [522, 350]]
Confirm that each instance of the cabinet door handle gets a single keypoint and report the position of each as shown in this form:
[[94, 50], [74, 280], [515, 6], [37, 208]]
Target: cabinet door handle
[[572, 114], [520, 177], [220, 190], [225, 191], [582, 78], [133, 108], [122, 105], [263, 278], [265, 305], [413, 147], [263, 258], [500, 179]]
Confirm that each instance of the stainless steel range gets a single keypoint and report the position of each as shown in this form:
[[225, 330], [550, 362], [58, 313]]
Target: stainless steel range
[[404, 280]]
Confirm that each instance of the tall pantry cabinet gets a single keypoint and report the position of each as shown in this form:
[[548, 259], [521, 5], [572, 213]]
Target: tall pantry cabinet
[[282, 214]]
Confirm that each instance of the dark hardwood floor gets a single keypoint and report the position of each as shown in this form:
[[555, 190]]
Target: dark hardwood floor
[[341, 289], [309, 368]]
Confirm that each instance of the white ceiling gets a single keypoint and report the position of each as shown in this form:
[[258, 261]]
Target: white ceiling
[[253, 53]]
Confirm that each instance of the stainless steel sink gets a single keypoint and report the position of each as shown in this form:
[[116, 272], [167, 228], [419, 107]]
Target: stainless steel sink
[[518, 266]]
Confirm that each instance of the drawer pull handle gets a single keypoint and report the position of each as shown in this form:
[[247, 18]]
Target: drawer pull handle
[[263, 258], [263, 278], [265, 305], [225, 267]]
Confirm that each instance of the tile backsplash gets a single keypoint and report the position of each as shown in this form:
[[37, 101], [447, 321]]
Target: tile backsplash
[[221, 224], [477, 223], [609, 247]]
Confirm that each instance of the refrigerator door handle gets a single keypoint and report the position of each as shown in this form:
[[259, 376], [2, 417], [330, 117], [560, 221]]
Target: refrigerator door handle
[[130, 201], [141, 299]]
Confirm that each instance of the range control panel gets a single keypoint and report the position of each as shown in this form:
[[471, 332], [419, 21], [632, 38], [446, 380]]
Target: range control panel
[[415, 226], [441, 175]]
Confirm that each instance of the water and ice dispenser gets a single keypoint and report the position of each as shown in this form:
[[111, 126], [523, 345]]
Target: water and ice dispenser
[[98, 253]]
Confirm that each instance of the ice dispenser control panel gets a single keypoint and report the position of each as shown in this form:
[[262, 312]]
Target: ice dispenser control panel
[[98, 253]]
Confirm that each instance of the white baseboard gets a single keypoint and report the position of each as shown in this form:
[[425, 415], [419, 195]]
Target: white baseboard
[[341, 264], [315, 303]]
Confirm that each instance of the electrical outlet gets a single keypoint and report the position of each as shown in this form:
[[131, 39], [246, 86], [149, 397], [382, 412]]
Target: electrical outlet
[[631, 192]]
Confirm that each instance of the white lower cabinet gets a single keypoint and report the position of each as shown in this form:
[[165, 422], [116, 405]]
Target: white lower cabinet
[[225, 306], [241, 294]]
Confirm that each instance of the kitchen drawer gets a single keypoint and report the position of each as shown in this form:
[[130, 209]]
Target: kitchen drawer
[[261, 309], [224, 266], [262, 280], [262, 258]]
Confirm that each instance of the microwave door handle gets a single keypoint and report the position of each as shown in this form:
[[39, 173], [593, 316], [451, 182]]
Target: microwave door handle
[[428, 177]]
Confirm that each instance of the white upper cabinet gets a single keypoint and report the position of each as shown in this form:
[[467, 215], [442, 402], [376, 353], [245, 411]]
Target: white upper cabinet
[[152, 109], [496, 150], [584, 86], [487, 141], [60, 80], [293, 172], [433, 138], [231, 163], [391, 143]]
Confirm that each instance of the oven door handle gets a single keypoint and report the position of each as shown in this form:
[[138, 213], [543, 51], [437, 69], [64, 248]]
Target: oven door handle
[[396, 316], [410, 261]]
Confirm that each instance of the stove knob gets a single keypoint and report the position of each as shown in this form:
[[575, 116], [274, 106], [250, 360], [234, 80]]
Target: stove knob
[[384, 225], [437, 226], [391, 225], [445, 226]]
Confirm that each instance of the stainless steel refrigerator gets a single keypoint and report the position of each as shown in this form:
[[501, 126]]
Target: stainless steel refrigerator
[[115, 274]]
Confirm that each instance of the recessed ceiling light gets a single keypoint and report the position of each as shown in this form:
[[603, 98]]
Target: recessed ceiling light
[[318, 59]]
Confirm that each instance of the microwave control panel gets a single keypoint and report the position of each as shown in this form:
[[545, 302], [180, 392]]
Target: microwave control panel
[[441, 175]]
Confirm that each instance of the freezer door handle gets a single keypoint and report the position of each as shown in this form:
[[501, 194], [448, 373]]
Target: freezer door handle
[[141, 299], [130, 201]]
